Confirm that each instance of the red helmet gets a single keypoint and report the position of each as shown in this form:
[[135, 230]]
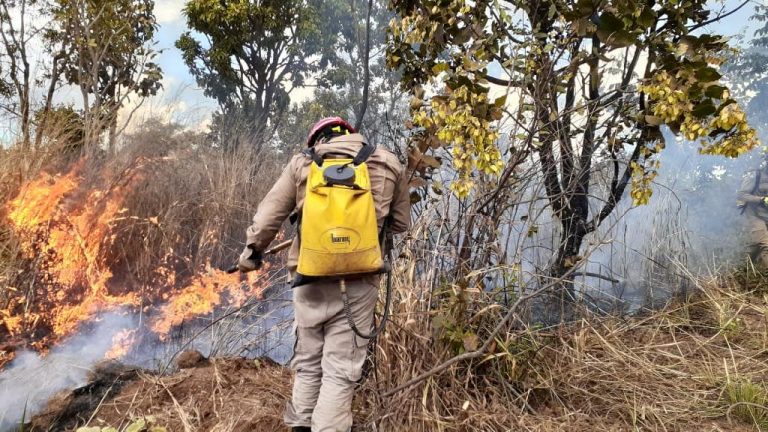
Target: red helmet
[[325, 123]]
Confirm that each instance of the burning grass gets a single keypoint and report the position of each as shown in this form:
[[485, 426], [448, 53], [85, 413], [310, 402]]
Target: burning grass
[[142, 232]]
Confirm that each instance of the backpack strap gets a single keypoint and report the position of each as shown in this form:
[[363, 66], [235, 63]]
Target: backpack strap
[[312, 154], [364, 153]]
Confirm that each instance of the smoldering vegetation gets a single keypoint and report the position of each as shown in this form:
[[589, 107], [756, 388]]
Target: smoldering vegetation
[[31, 379]]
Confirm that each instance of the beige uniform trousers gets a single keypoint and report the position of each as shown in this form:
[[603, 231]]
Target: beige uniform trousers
[[758, 235], [328, 357]]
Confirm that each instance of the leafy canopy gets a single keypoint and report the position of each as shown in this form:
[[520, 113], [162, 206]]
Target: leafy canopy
[[107, 45], [253, 54], [592, 80]]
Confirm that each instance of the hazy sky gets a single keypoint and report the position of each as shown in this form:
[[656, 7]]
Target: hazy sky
[[182, 99]]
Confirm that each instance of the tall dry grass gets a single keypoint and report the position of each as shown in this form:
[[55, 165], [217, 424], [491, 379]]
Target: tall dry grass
[[698, 362], [184, 204], [192, 199]]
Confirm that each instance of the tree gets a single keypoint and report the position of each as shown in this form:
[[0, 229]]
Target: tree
[[18, 82], [359, 87], [66, 128], [108, 54], [586, 82], [254, 55], [17, 76], [746, 69]]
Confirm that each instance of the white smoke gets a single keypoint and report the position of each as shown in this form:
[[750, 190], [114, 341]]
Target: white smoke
[[31, 379]]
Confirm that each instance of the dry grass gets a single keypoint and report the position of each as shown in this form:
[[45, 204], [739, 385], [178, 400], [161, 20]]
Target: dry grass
[[182, 205], [224, 394], [698, 363]]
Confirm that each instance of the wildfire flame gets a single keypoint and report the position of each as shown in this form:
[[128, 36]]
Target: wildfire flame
[[66, 228], [204, 294], [121, 344]]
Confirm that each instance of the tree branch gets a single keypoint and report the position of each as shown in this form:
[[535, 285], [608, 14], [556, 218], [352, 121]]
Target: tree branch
[[719, 17], [502, 82]]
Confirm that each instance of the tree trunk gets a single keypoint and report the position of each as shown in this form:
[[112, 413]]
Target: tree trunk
[[366, 69], [112, 134], [41, 127]]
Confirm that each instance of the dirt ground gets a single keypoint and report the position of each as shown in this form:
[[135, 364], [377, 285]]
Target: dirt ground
[[225, 394], [233, 394]]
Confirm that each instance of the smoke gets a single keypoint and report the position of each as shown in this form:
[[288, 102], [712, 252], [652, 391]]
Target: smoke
[[691, 225], [32, 379], [640, 256]]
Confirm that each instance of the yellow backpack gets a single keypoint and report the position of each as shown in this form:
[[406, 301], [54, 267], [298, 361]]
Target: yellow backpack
[[338, 232]]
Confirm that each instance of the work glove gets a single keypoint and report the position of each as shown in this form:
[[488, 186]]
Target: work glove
[[250, 260], [765, 201]]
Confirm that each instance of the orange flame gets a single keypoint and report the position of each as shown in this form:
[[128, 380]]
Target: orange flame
[[67, 230], [206, 292], [121, 344], [75, 232]]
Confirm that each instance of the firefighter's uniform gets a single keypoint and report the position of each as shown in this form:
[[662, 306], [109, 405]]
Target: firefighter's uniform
[[752, 195], [328, 356]]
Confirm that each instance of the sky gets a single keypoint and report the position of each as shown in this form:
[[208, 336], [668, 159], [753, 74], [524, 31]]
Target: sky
[[180, 100]]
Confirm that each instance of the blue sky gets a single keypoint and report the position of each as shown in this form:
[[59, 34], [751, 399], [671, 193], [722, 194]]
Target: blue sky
[[181, 99]]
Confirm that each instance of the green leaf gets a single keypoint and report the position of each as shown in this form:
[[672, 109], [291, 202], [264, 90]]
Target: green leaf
[[707, 74], [608, 22], [619, 39], [622, 39], [137, 426], [440, 67], [646, 18], [715, 91], [704, 109]]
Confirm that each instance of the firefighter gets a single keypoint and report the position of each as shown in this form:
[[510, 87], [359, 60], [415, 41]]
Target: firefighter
[[328, 355], [753, 200]]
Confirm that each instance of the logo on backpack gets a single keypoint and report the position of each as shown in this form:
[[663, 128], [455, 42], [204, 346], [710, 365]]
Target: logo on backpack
[[340, 239]]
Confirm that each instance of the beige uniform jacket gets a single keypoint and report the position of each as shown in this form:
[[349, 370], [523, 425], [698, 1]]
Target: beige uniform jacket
[[752, 198], [389, 185]]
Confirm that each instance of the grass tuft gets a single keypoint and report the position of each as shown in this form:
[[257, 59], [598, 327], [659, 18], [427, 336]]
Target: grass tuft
[[747, 402]]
